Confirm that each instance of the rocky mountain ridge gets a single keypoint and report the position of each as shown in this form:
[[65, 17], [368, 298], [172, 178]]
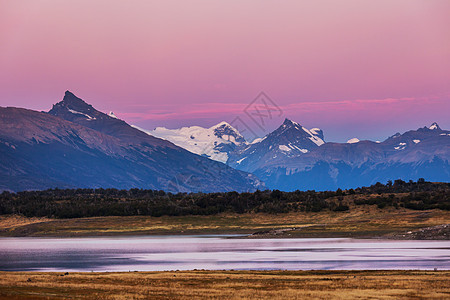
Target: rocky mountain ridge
[[74, 145]]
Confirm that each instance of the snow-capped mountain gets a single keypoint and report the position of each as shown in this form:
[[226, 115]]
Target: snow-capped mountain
[[224, 143], [417, 153], [289, 140], [215, 142]]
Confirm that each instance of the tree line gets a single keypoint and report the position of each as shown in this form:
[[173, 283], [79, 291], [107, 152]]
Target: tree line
[[77, 203]]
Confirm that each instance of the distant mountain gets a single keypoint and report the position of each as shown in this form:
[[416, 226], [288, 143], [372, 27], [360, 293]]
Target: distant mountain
[[224, 143], [74, 145], [215, 142], [293, 157], [289, 140]]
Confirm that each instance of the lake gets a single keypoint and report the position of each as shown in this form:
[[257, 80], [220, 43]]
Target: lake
[[158, 253]]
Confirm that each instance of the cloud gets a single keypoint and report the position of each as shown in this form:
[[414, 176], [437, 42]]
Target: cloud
[[212, 109], [221, 110]]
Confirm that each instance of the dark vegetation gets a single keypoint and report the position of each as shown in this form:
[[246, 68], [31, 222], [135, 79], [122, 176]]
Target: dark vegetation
[[77, 203]]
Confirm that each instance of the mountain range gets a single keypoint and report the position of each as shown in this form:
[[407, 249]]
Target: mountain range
[[76, 146], [417, 153], [293, 157]]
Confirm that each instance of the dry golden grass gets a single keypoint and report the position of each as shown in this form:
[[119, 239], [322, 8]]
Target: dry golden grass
[[360, 221], [228, 285], [14, 221]]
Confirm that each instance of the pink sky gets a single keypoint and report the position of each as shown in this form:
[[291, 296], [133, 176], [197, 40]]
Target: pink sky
[[353, 68]]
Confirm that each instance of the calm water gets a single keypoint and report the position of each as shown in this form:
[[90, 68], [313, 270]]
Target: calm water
[[217, 252]]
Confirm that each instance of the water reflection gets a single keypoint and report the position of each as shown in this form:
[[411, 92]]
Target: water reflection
[[217, 252]]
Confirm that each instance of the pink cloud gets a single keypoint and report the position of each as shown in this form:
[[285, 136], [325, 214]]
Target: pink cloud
[[213, 109]]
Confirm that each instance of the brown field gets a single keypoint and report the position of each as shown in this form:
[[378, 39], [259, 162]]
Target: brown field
[[360, 221], [228, 285]]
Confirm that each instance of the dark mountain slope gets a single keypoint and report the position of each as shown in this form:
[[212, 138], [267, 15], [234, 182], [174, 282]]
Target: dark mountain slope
[[40, 150]]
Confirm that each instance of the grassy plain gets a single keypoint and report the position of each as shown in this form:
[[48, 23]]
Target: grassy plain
[[360, 221], [228, 285]]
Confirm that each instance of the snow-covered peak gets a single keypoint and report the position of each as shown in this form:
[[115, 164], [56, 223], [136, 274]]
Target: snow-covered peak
[[214, 142], [224, 130], [294, 133], [353, 141], [289, 140], [293, 130], [434, 126], [221, 124]]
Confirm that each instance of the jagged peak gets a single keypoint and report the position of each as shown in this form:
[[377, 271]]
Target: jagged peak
[[70, 97], [69, 94], [313, 131], [289, 125], [292, 129], [289, 122], [224, 128], [434, 126], [76, 106]]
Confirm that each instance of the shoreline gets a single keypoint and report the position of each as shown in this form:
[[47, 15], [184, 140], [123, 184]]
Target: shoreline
[[364, 223]]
